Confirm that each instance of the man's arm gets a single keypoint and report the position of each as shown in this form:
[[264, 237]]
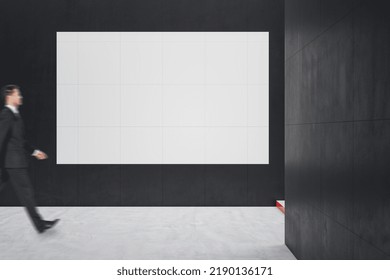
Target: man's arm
[[5, 125], [34, 151], [29, 148]]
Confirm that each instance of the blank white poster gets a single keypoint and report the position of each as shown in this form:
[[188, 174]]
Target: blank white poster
[[162, 98]]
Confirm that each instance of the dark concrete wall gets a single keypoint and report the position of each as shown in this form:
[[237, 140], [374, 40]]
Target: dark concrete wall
[[28, 58], [337, 125]]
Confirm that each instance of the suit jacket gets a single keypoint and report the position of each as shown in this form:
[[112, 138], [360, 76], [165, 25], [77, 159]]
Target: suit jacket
[[14, 148]]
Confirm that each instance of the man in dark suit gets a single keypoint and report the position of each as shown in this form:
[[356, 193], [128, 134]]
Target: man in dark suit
[[14, 151]]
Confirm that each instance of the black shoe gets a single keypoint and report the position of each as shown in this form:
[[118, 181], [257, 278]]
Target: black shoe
[[47, 224], [51, 223]]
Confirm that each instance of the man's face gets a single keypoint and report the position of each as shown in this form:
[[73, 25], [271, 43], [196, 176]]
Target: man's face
[[15, 99]]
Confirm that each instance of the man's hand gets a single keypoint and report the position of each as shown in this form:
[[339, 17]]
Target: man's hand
[[40, 155]]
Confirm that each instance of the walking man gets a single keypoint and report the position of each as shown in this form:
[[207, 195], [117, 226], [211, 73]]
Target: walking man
[[14, 152]]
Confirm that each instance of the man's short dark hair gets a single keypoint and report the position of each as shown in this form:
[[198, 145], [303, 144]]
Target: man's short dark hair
[[8, 90]]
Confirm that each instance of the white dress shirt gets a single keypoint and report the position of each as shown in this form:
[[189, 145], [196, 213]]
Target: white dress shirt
[[13, 109]]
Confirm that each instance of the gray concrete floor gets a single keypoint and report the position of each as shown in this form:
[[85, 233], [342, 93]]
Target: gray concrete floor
[[146, 233]]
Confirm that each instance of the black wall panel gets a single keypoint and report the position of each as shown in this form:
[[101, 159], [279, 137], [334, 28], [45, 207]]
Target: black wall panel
[[226, 185], [141, 185], [337, 129], [372, 63], [102, 188], [337, 171], [372, 180], [335, 78], [28, 58], [184, 184]]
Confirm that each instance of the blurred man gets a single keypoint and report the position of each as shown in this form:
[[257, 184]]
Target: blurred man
[[14, 151]]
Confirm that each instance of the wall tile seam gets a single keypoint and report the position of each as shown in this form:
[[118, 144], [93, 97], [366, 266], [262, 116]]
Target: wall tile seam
[[318, 35], [346, 121], [348, 229]]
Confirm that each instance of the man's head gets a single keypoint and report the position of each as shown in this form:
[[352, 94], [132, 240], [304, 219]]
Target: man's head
[[11, 95]]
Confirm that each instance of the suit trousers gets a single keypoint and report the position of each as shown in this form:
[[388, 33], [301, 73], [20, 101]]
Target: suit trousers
[[21, 183]]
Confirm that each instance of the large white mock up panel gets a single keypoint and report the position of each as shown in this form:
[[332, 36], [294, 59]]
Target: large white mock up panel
[[162, 98]]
